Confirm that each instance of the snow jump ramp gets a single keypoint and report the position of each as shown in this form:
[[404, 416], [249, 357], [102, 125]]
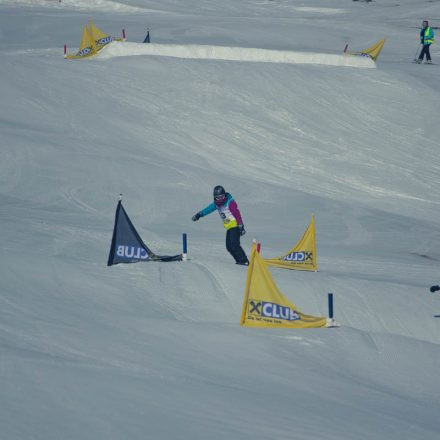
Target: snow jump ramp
[[193, 51]]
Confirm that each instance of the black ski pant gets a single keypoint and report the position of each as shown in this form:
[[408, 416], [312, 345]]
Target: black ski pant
[[425, 51], [233, 246]]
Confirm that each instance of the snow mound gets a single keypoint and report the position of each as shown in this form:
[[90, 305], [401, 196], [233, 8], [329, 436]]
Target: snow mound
[[326, 11], [194, 51], [106, 5]]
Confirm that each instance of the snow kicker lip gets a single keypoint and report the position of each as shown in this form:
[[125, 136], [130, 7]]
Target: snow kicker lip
[[243, 54]]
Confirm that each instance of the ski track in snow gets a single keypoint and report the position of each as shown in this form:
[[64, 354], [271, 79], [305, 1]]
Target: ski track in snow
[[217, 283]]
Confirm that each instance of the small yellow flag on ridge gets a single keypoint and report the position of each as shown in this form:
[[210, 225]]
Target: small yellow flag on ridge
[[92, 41], [265, 306], [100, 38], [372, 51]]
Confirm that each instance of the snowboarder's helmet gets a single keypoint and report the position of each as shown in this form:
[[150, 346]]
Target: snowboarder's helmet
[[219, 193], [425, 23]]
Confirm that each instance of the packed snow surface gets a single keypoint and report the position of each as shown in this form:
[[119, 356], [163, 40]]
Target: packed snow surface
[[155, 350], [93, 5]]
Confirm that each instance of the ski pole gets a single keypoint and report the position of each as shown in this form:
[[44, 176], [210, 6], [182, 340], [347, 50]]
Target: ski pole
[[415, 56]]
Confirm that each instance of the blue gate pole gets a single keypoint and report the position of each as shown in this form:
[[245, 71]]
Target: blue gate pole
[[330, 305], [185, 247]]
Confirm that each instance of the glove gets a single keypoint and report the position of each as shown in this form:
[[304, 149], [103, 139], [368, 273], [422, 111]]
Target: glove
[[434, 288], [195, 217], [242, 230]]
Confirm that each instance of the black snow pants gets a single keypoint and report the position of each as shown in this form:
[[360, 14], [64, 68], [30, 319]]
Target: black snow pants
[[233, 246], [425, 51]]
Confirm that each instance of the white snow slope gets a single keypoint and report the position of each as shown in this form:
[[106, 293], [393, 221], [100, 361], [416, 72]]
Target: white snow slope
[[155, 351]]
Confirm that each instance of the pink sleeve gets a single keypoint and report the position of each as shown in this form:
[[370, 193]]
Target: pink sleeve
[[235, 212]]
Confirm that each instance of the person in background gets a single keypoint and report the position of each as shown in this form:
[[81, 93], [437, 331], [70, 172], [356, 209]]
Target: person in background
[[232, 221], [426, 39], [434, 289]]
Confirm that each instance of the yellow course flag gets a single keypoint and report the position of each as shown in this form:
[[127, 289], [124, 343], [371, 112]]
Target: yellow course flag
[[265, 306], [100, 38], [303, 255], [87, 46], [92, 41], [372, 51]]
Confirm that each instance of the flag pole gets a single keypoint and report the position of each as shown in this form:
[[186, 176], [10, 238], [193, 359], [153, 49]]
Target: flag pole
[[185, 247]]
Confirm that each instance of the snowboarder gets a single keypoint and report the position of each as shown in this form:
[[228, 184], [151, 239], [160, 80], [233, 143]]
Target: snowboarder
[[232, 221], [426, 39]]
